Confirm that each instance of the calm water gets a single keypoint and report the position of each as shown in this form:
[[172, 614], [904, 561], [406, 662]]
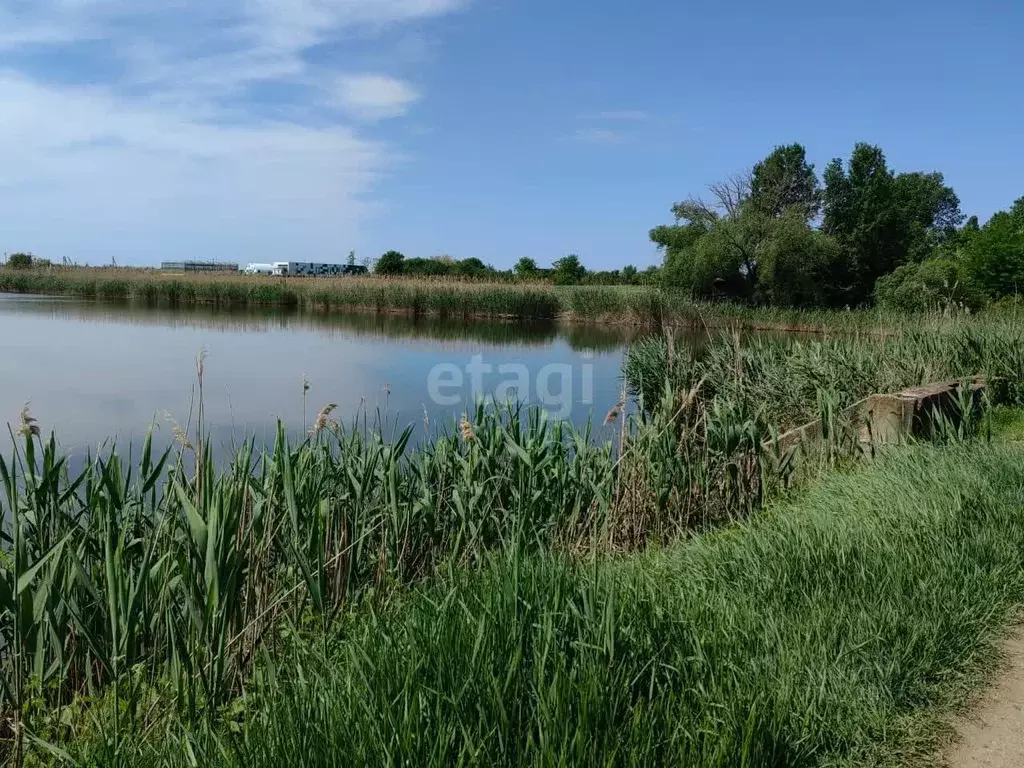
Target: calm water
[[96, 371]]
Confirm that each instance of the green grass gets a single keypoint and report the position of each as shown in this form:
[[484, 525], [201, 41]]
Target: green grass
[[160, 570], [839, 629], [1008, 424]]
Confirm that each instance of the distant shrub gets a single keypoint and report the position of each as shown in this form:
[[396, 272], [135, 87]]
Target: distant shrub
[[20, 261]]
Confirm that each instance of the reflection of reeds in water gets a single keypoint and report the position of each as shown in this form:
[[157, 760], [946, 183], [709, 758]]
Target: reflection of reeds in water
[[370, 325]]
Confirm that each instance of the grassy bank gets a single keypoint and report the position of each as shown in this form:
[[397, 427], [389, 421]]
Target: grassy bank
[[627, 305], [834, 630], [323, 598], [162, 571]]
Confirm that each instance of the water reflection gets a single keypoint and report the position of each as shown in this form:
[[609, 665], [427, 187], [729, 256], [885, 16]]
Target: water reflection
[[97, 371], [263, 319]]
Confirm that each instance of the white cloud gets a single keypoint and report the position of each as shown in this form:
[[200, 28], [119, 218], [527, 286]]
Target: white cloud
[[600, 136], [87, 173], [374, 97], [168, 150], [623, 115]]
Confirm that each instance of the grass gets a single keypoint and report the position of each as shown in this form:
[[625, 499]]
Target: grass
[[620, 305], [160, 569], [1008, 424], [518, 592], [838, 629]]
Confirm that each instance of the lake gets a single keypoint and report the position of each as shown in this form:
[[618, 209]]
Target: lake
[[96, 371]]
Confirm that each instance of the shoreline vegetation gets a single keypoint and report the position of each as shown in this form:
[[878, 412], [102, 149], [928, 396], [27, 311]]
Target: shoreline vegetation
[[627, 306], [671, 589], [841, 628]]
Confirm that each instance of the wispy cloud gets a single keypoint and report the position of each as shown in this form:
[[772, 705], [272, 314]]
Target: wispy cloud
[[374, 97], [623, 115], [167, 140], [615, 126], [600, 136]]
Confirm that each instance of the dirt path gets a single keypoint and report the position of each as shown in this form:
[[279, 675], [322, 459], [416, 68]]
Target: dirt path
[[992, 735]]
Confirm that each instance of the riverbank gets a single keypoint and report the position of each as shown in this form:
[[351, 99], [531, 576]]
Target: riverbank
[[840, 628], [670, 589], [640, 306]]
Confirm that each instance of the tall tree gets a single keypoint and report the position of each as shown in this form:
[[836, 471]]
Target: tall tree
[[884, 220], [568, 270], [995, 254], [391, 263], [858, 207], [931, 212], [799, 266], [525, 268], [676, 241], [471, 267], [784, 183]]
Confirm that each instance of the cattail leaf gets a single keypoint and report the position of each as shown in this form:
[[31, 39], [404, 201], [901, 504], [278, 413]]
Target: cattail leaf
[[195, 521], [26, 578]]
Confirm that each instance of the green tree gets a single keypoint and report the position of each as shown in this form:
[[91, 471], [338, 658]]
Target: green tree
[[525, 268], [711, 248], [351, 258], [20, 260], [677, 241], [930, 210], [629, 274], [785, 183], [994, 255], [568, 270], [471, 267], [884, 220], [798, 266], [419, 267], [391, 263]]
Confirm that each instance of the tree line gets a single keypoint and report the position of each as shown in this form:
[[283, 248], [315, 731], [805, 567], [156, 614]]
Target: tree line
[[778, 235], [568, 270], [862, 234]]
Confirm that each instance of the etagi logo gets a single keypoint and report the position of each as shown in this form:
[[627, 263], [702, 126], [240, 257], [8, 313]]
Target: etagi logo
[[554, 386]]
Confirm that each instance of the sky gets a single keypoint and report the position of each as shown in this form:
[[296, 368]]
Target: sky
[[260, 130]]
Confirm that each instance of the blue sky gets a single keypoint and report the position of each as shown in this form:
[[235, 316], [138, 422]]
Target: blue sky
[[254, 130]]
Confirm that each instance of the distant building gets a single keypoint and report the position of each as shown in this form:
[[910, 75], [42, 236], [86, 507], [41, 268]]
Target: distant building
[[198, 266], [259, 269]]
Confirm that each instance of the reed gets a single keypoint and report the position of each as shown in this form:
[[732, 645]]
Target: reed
[[160, 592], [646, 306], [160, 568], [781, 380], [837, 629]]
